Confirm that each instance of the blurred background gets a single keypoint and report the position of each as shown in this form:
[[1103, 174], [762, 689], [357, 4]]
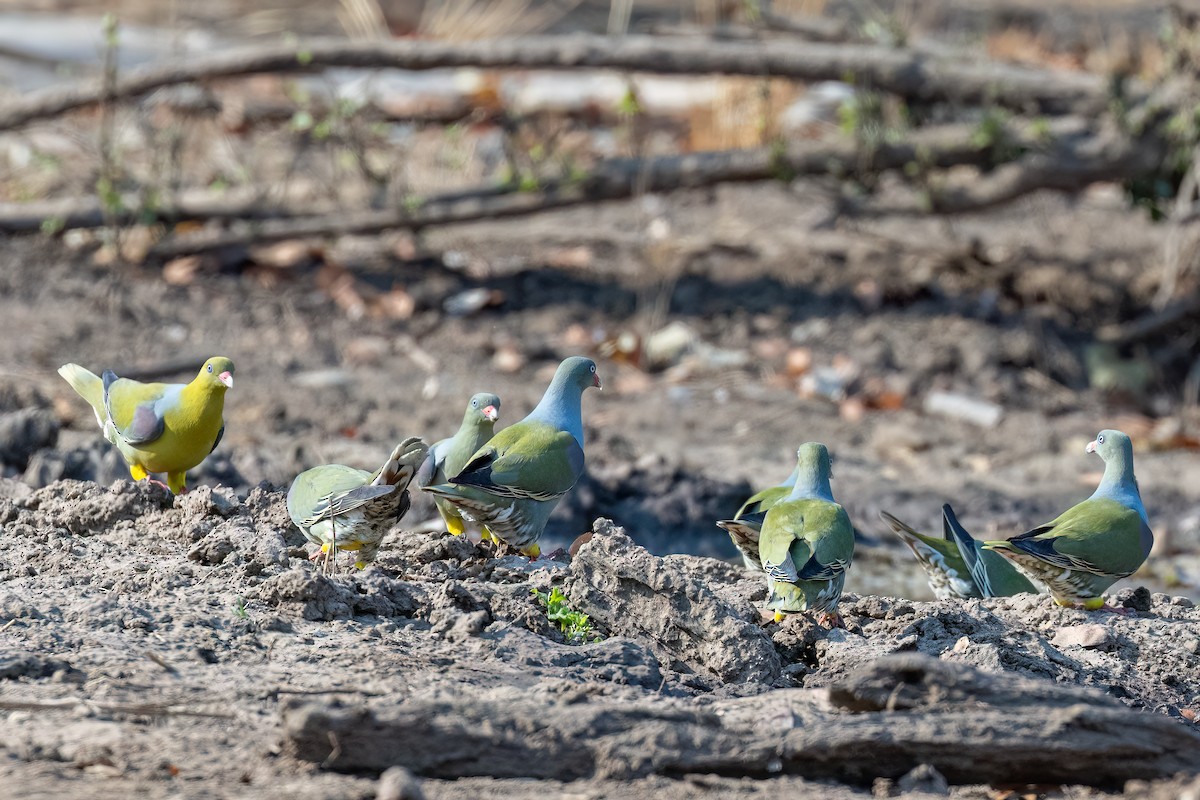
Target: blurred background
[[951, 239]]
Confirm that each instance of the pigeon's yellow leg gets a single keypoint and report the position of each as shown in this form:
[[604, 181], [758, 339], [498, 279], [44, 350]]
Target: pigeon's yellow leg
[[531, 550], [455, 525], [1093, 603], [176, 481], [487, 536], [138, 472], [780, 616]]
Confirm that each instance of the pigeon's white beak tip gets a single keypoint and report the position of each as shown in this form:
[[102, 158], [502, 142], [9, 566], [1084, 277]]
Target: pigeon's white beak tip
[[491, 413], [1091, 448], [226, 378]]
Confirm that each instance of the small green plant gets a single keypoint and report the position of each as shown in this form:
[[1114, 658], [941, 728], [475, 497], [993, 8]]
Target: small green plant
[[239, 608], [575, 625]]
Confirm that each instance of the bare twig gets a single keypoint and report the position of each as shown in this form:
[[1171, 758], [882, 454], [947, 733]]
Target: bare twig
[[919, 76]]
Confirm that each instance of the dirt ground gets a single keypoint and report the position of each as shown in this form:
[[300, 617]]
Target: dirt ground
[[152, 646]]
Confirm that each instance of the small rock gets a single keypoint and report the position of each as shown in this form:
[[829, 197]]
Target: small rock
[[211, 550], [397, 783], [24, 432], [1138, 599], [924, 778], [1089, 635]]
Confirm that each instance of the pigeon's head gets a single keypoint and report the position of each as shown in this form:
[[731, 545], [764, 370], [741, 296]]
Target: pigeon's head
[[578, 371], [486, 405], [813, 459], [1110, 445], [218, 371]]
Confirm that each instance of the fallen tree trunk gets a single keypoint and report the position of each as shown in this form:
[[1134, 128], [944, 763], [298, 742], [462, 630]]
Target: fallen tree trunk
[[898, 713], [918, 76]]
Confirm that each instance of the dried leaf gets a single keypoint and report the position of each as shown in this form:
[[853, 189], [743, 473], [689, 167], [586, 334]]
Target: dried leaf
[[181, 271]]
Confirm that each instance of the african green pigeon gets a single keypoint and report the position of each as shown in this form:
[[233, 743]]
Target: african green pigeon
[[746, 525], [807, 542], [991, 573], [947, 573], [512, 483], [352, 508], [158, 427], [955, 565], [1090, 546], [449, 456]]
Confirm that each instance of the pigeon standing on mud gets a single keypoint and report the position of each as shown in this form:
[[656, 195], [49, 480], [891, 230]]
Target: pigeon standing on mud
[[955, 564], [807, 542], [449, 456], [342, 508], [512, 483], [1094, 544], [158, 427], [746, 526]]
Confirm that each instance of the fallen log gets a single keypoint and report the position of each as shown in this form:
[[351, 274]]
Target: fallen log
[[919, 76], [899, 712]]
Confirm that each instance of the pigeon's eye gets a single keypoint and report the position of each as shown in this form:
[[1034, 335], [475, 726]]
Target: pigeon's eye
[[1100, 439], [210, 367], [593, 367], [474, 403]]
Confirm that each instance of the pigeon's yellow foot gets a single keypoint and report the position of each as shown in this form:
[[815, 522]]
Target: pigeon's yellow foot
[[532, 550], [487, 536], [138, 472], [779, 616], [361, 564], [455, 526], [176, 481], [1093, 603]]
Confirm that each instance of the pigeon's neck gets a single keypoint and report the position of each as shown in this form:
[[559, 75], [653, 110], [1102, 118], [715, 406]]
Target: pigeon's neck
[[561, 407], [1119, 484], [791, 479], [812, 487]]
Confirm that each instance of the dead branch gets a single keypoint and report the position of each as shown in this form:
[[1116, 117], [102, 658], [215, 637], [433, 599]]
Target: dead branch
[[900, 711], [919, 76], [613, 180], [1069, 166]]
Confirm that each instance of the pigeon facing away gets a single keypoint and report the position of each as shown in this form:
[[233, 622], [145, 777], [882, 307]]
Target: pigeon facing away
[[947, 573], [992, 574], [342, 508], [1092, 545], [955, 565], [807, 542], [512, 483], [449, 456], [158, 427], [746, 526]]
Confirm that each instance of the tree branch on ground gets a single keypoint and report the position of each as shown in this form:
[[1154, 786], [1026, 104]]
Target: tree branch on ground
[[914, 75]]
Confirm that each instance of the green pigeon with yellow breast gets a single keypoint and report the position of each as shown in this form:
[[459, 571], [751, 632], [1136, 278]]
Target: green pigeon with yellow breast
[[448, 456], [158, 427]]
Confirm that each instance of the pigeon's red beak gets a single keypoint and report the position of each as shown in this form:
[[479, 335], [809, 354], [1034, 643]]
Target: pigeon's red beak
[[1091, 448], [596, 381], [491, 413], [226, 378]]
